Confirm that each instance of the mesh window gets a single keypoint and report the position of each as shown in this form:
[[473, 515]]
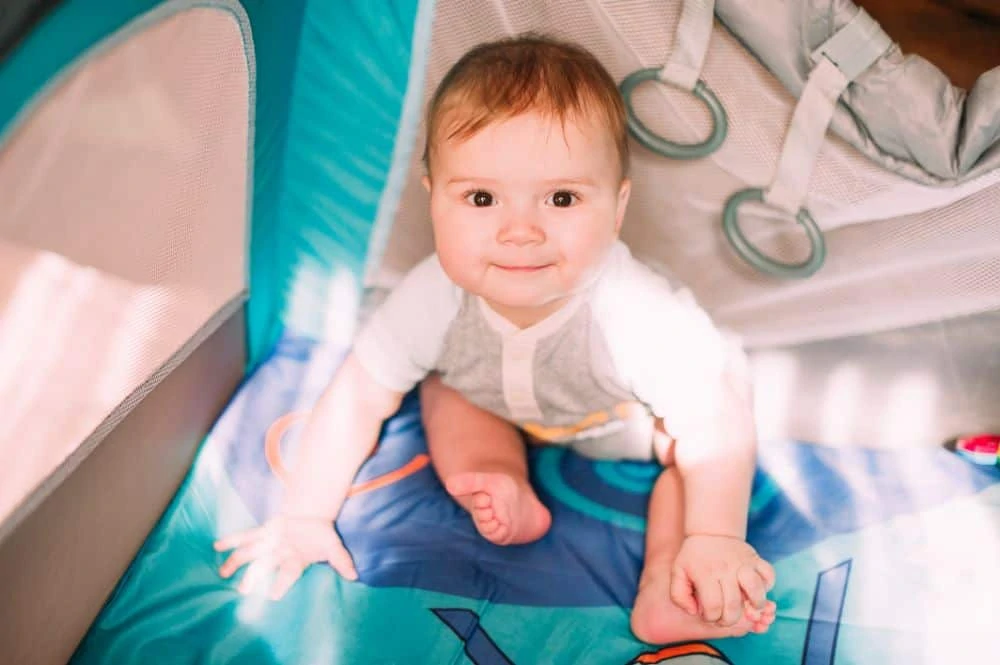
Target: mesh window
[[122, 233]]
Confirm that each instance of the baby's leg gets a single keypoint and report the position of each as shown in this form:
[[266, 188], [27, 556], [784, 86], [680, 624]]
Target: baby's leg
[[482, 463], [655, 617]]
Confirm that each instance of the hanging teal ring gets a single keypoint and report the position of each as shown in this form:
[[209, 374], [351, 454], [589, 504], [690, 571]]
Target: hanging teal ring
[[660, 145], [759, 260]]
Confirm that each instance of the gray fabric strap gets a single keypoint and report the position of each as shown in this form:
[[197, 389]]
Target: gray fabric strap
[[849, 52]]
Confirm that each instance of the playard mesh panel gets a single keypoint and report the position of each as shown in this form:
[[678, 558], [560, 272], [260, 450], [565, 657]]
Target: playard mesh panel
[[899, 253], [122, 235]]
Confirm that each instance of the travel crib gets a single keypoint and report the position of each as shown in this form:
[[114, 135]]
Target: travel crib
[[201, 199]]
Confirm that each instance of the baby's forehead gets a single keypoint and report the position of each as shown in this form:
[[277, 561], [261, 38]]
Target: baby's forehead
[[463, 130], [466, 136]]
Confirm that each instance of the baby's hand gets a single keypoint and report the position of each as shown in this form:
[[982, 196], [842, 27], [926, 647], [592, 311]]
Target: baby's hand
[[285, 546], [716, 576]]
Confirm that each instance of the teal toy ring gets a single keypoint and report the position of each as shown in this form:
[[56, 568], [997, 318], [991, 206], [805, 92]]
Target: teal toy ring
[[660, 145], [759, 260]]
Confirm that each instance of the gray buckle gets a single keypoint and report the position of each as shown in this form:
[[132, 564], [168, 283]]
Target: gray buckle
[[855, 46]]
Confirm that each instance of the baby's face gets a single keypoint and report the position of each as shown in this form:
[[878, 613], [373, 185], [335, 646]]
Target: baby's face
[[525, 211]]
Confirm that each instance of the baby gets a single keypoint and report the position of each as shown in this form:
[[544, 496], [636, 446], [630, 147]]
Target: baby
[[533, 323]]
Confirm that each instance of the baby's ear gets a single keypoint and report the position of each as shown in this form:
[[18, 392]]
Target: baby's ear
[[624, 192], [426, 182]]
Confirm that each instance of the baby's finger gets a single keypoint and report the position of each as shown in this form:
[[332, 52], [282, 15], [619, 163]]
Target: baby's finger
[[240, 539], [766, 572], [288, 572], [709, 592], [340, 559], [240, 558], [733, 607], [753, 586], [682, 592], [256, 575]]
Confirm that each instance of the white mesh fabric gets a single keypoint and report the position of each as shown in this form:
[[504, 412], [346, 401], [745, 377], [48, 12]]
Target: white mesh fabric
[[122, 231], [899, 253]]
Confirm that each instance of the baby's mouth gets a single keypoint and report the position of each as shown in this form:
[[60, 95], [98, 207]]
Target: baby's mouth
[[522, 268]]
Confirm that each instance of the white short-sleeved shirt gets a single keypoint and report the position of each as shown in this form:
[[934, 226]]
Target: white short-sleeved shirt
[[592, 375]]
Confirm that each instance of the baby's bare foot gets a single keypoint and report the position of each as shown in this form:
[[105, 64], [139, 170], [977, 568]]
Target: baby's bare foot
[[505, 509]]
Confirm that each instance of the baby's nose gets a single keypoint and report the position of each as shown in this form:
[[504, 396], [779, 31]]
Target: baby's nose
[[521, 229]]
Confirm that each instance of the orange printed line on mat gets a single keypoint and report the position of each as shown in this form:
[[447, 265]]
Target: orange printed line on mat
[[418, 462], [272, 442], [676, 651], [272, 453]]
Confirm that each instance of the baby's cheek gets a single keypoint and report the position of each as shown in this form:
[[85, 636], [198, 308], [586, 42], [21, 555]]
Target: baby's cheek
[[585, 248], [450, 259], [461, 263]]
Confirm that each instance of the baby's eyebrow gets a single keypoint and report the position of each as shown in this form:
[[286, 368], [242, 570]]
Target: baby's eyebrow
[[578, 181], [574, 181], [467, 180]]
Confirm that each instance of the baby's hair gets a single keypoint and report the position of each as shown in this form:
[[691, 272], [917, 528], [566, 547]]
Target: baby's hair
[[531, 72]]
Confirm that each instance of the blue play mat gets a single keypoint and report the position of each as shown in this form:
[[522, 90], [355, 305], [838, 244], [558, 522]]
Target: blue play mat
[[882, 557]]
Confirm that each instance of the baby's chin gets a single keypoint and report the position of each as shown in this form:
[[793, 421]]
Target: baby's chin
[[525, 302]]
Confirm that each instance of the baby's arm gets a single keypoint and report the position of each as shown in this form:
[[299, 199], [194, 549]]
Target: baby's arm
[[339, 435], [391, 354], [717, 459], [678, 362], [716, 571]]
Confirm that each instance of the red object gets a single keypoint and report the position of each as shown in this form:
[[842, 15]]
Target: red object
[[979, 448]]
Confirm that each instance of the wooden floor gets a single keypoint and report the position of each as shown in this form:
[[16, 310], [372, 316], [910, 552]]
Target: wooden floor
[[961, 37]]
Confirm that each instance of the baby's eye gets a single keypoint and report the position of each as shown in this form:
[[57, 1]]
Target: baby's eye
[[563, 199], [480, 199]]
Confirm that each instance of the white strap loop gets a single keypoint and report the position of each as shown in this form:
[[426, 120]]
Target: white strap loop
[[694, 30]]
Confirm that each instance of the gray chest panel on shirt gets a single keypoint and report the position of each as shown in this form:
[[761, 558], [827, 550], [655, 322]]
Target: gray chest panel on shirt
[[572, 370], [574, 374], [565, 379], [471, 359]]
